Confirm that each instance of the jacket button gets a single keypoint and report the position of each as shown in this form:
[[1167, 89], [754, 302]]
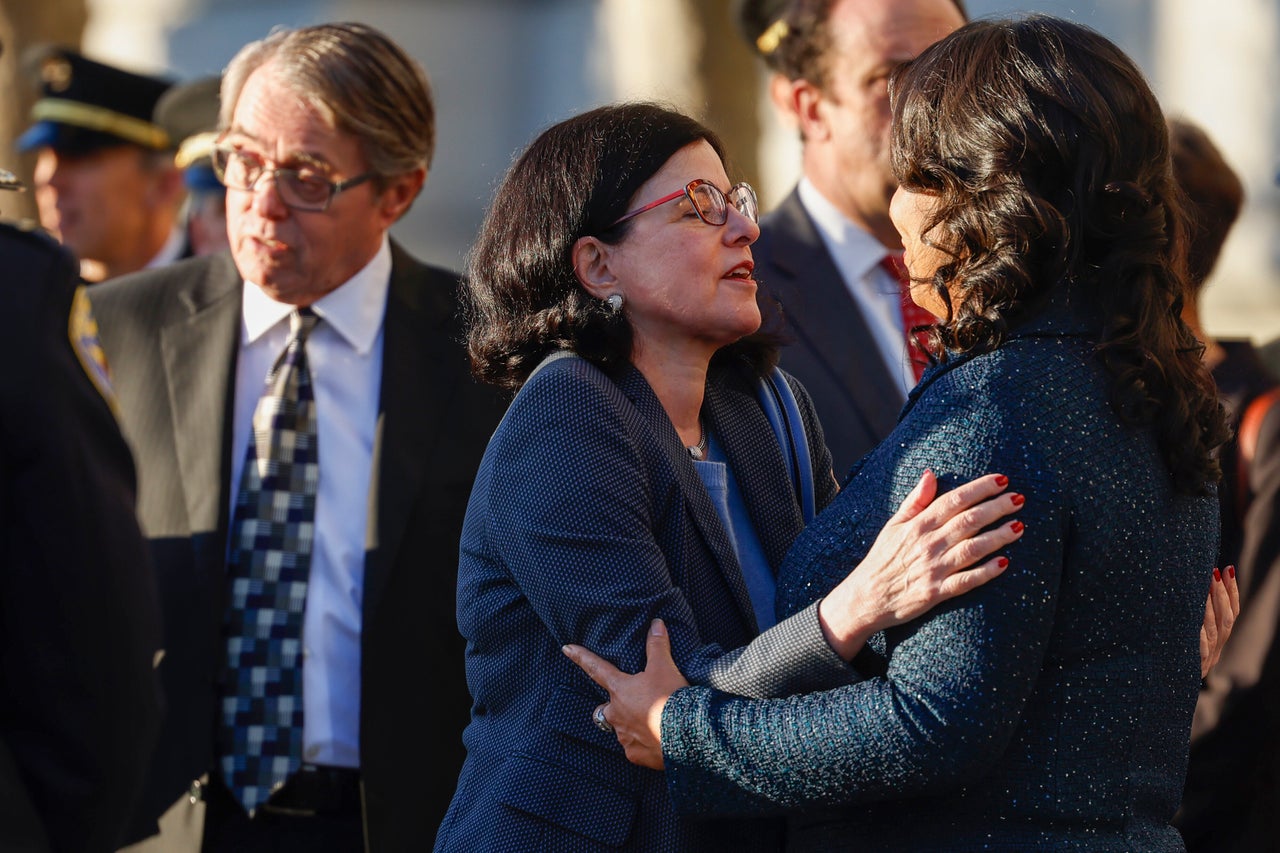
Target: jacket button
[[196, 792]]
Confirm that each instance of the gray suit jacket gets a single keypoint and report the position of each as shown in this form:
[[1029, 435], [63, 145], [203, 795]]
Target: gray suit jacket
[[831, 350], [172, 338]]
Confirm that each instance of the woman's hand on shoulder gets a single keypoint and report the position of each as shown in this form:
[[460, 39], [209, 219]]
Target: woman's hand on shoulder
[[930, 551]]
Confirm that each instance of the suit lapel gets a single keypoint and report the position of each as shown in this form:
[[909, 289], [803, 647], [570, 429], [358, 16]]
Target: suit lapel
[[703, 511], [822, 314], [199, 351], [416, 390], [753, 450]]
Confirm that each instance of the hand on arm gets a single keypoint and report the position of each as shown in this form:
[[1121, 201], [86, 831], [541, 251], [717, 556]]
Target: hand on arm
[[928, 552], [636, 701], [1220, 613]]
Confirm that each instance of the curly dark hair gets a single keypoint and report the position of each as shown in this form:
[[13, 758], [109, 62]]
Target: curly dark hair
[[1049, 158], [574, 180]]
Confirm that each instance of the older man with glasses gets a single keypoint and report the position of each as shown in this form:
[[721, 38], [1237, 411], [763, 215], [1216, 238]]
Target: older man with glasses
[[307, 436]]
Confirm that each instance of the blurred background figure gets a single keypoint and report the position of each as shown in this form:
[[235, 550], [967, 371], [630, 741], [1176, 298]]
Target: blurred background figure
[[105, 182], [1270, 351], [79, 626], [188, 112], [1225, 777], [829, 252]]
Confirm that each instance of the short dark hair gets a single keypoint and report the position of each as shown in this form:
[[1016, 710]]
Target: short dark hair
[[802, 47], [1049, 158], [1214, 192], [574, 180]]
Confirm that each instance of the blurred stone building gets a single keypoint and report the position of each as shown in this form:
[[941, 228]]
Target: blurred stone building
[[503, 69]]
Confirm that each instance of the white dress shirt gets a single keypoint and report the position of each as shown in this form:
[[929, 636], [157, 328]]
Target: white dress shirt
[[874, 289], [344, 353]]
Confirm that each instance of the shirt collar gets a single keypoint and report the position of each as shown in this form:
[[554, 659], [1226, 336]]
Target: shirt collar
[[859, 251], [354, 309]]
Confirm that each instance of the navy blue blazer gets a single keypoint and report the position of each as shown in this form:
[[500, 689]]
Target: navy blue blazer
[[588, 520], [1052, 707], [79, 621]]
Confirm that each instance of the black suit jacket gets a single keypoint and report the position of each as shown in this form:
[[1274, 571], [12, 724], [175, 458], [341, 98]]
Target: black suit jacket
[[831, 350], [79, 628], [172, 336]]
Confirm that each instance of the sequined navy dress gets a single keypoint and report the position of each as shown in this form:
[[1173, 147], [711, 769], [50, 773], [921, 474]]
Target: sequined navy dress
[[1050, 709]]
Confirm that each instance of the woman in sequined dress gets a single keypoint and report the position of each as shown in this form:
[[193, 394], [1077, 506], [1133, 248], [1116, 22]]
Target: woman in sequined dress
[[1051, 708]]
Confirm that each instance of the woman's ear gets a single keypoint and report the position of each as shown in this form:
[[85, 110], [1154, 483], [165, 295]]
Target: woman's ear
[[591, 265]]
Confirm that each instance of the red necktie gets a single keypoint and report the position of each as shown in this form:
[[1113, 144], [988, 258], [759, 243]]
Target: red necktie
[[913, 316]]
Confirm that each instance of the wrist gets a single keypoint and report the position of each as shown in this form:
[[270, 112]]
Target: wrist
[[845, 623]]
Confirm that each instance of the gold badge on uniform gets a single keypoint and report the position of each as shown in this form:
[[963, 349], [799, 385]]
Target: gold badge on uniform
[[83, 331], [56, 73]]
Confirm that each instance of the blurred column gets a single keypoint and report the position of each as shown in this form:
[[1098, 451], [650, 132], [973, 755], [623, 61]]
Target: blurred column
[[134, 34], [22, 24], [688, 54]]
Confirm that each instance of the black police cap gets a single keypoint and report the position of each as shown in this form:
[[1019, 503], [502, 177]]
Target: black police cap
[[188, 112], [85, 105]]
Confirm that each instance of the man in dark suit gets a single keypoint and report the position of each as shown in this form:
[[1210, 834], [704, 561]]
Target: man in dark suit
[[327, 133], [105, 182], [822, 252], [79, 627]]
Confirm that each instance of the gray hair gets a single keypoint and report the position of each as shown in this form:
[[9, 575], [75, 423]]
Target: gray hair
[[362, 82]]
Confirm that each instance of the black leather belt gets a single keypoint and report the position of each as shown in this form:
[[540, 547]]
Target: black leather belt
[[317, 790]]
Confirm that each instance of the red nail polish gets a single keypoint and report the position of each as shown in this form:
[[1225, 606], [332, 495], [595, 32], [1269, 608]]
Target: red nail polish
[[1002, 480], [1016, 526], [1217, 575], [1018, 500], [1231, 571], [1002, 562]]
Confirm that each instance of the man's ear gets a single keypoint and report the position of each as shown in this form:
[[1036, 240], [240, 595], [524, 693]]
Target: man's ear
[[591, 265], [167, 188], [803, 101], [400, 192], [781, 92]]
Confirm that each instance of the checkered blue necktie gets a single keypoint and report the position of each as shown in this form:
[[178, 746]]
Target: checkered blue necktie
[[269, 558]]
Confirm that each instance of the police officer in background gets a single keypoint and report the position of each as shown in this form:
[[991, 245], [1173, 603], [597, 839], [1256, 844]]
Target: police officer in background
[[105, 181], [79, 623], [188, 112]]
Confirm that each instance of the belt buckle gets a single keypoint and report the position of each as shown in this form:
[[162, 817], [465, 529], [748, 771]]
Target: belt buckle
[[282, 791], [285, 811]]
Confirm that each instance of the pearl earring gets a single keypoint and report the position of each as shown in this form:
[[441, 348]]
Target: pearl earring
[[614, 302]]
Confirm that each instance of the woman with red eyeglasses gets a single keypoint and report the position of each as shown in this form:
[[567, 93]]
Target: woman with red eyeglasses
[[647, 468]]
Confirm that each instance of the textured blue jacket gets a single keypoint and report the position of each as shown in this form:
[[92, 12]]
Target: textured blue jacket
[[588, 520], [1049, 709]]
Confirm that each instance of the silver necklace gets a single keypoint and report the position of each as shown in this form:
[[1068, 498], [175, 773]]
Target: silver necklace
[[699, 451]]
